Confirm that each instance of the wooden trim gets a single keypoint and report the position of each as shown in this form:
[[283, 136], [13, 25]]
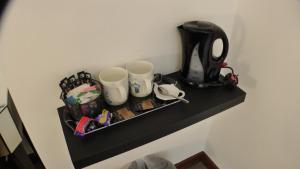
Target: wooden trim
[[189, 161], [200, 157], [208, 162]]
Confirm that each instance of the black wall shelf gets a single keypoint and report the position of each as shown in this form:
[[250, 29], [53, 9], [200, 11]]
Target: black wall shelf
[[118, 139]]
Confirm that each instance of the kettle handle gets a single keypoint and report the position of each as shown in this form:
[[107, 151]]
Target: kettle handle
[[221, 35]]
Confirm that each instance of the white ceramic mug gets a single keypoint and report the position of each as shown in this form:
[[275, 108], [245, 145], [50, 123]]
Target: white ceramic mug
[[115, 85], [141, 74]]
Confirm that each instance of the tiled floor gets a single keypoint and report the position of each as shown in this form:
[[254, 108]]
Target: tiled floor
[[197, 166]]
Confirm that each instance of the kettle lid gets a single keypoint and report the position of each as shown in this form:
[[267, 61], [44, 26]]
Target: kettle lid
[[199, 26]]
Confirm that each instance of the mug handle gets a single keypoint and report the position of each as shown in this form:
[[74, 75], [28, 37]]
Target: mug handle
[[222, 35], [122, 92], [148, 84], [181, 93]]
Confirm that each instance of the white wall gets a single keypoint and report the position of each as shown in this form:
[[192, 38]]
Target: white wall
[[43, 41], [263, 133], [3, 89]]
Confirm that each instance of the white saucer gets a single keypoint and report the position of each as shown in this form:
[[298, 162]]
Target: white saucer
[[172, 89]]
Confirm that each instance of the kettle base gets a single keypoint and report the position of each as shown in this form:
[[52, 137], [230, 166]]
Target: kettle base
[[204, 84]]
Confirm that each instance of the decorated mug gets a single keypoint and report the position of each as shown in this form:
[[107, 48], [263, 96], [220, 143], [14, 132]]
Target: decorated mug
[[115, 85], [141, 74]]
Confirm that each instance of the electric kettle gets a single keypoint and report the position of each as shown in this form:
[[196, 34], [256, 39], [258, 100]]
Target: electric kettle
[[199, 65]]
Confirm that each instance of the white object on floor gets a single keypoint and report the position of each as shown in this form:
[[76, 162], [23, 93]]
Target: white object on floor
[[152, 162]]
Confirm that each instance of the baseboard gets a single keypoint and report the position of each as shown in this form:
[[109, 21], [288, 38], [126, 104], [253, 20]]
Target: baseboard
[[200, 157]]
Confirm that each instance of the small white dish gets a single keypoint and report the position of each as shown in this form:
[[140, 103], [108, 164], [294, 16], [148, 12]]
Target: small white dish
[[172, 89]]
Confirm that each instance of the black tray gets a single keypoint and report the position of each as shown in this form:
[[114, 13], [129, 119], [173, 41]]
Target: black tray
[[130, 104]]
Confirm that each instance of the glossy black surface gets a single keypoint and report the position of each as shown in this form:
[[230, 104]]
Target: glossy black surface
[[112, 141], [204, 34]]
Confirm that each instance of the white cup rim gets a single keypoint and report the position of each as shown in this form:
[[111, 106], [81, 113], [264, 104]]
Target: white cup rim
[[151, 67], [103, 81]]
